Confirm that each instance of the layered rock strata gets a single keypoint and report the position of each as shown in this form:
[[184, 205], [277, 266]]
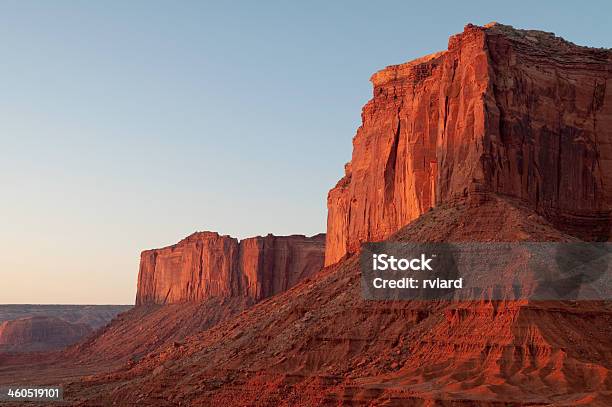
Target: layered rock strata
[[515, 112], [208, 265]]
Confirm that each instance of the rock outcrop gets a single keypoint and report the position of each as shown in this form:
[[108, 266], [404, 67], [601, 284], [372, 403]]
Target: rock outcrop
[[208, 265], [513, 112]]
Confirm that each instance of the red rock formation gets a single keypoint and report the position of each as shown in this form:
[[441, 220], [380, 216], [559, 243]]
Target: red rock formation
[[515, 112], [208, 265], [321, 343], [39, 333]]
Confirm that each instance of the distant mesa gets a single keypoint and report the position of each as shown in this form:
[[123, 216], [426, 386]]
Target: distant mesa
[[29, 327], [40, 333], [207, 265]]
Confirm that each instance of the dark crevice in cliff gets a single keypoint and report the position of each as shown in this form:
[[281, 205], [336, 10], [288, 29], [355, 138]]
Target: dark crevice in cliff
[[446, 104], [445, 116], [390, 167], [599, 94], [558, 164], [166, 296], [267, 252], [200, 266]]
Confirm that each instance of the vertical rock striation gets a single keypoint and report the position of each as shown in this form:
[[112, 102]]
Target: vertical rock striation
[[513, 112], [207, 265]]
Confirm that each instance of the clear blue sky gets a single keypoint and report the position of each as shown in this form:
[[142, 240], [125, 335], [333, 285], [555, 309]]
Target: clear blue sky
[[129, 125]]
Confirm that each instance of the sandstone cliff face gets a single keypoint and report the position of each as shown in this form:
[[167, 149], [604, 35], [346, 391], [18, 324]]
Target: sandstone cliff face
[[207, 265], [513, 112]]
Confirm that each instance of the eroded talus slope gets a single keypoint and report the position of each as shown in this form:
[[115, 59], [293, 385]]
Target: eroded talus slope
[[321, 343], [146, 328], [125, 340], [515, 112], [207, 265]]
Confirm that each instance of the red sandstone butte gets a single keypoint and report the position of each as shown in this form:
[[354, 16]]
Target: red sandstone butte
[[515, 112], [208, 265]]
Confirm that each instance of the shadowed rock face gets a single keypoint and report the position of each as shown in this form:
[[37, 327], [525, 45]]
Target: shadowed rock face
[[514, 112], [208, 265]]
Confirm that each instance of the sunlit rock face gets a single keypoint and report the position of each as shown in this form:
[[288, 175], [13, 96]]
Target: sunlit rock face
[[514, 112], [207, 265]]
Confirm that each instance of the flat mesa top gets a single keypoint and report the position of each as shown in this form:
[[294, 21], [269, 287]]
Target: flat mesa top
[[531, 41]]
